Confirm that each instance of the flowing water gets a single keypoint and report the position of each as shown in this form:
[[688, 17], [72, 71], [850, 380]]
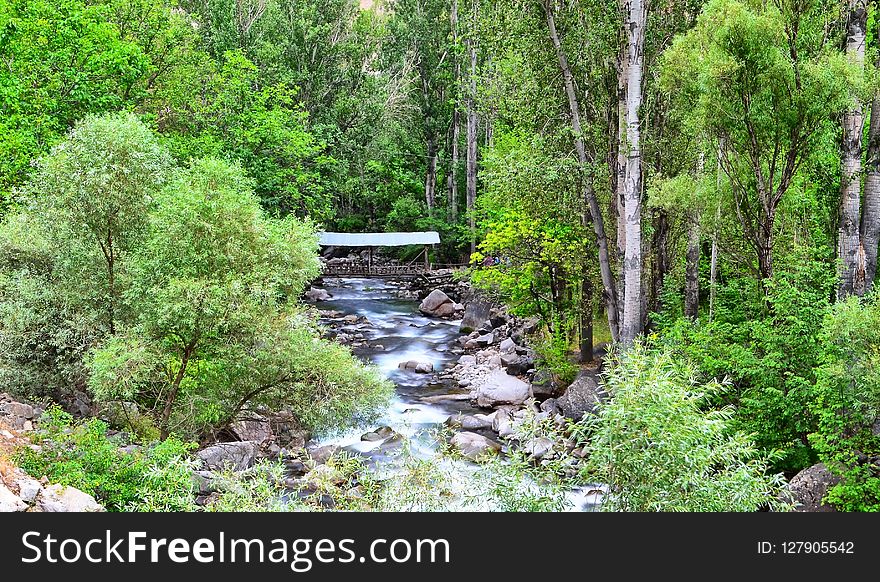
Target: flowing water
[[396, 332]]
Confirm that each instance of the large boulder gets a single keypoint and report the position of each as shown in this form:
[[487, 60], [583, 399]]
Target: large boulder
[[517, 365], [475, 315], [237, 456], [437, 304], [809, 487], [13, 408], [470, 422], [543, 384], [584, 396], [58, 498], [501, 388], [255, 428], [473, 446]]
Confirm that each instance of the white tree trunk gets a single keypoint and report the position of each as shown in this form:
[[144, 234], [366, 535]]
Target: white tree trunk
[[621, 176], [431, 176], [852, 271], [871, 212], [636, 15]]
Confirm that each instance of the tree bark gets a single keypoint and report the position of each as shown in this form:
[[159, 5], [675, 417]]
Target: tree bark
[[636, 15], [621, 175], [692, 257], [431, 175], [589, 194], [870, 227], [852, 271], [659, 245], [175, 388], [471, 172], [452, 178]]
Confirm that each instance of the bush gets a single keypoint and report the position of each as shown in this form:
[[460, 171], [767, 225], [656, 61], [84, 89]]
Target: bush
[[769, 356], [82, 455], [847, 403], [660, 448]]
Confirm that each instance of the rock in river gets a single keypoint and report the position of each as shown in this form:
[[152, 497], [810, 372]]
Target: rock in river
[[474, 446], [501, 388], [437, 304], [316, 294], [417, 367]]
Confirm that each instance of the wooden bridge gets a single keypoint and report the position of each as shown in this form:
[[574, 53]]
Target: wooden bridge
[[418, 267]]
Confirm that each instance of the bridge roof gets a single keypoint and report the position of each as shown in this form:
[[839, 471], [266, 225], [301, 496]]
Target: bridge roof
[[377, 239]]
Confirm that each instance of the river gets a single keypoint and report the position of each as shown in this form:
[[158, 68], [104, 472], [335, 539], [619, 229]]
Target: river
[[396, 332]]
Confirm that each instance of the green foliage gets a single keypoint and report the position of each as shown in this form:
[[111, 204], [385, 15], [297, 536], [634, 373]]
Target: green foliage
[[553, 356], [214, 331], [662, 447], [82, 455], [769, 356], [64, 60], [65, 251], [847, 403]]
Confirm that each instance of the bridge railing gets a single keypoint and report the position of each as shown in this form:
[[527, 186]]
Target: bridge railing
[[362, 270]]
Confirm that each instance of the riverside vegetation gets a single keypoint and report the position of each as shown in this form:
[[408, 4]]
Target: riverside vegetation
[[695, 183]]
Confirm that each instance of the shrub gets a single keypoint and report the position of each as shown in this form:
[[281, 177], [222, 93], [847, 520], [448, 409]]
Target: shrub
[[82, 455], [847, 403], [660, 449]]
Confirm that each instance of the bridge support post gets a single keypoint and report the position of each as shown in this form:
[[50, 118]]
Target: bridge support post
[[370, 262]]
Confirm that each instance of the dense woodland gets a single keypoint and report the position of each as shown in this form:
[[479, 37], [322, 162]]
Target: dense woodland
[[695, 182]]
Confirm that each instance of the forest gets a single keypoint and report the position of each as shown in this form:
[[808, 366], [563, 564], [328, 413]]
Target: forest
[[680, 199]]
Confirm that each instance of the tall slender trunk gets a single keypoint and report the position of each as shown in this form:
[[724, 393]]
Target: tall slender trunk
[[659, 245], [692, 256], [431, 175], [691, 278], [621, 175], [586, 320], [870, 227], [452, 178], [713, 264], [636, 14], [589, 194], [852, 271], [471, 172]]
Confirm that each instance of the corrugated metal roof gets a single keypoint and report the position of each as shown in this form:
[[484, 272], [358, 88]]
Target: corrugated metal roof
[[377, 239]]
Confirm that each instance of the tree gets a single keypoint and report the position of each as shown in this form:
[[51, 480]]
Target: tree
[[595, 213], [765, 85], [850, 253], [636, 14], [94, 190], [472, 121], [213, 331], [63, 60], [65, 251]]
